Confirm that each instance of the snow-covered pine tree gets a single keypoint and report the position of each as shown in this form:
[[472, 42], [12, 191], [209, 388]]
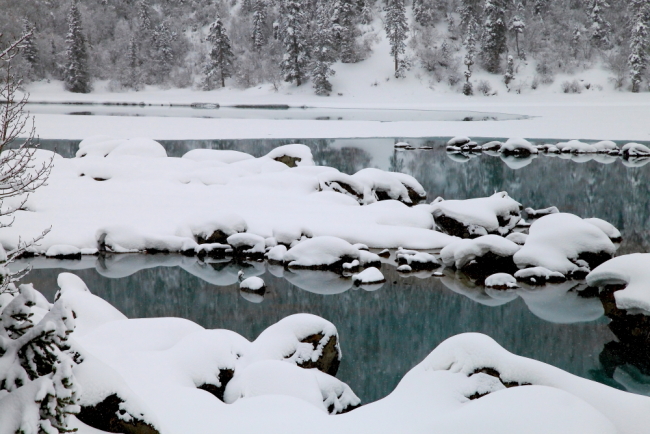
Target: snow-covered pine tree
[[76, 75], [540, 7], [344, 28], [163, 55], [396, 30], [517, 26], [510, 72], [323, 52], [601, 29], [144, 17], [494, 34], [638, 59], [133, 76], [423, 12], [218, 66], [576, 39], [259, 17], [295, 60], [28, 47], [470, 46], [365, 12], [468, 10]]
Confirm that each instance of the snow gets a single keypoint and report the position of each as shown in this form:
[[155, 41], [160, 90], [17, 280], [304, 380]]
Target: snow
[[253, 283], [223, 156], [481, 215], [633, 271], [556, 241], [635, 150], [605, 146], [458, 141], [578, 147], [415, 259], [539, 275], [320, 252], [62, 250], [460, 253], [518, 146], [107, 147], [608, 228], [501, 280], [369, 276], [116, 203]]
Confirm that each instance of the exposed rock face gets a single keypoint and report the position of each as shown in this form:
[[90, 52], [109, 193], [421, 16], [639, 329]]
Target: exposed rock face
[[105, 416], [288, 160], [217, 236], [225, 375], [329, 360]]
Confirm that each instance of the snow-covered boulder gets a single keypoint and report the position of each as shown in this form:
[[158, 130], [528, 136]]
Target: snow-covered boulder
[[252, 289], [605, 146], [342, 183], [247, 245], [539, 276], [292, 155], [381, 185], [218, 228], [493, 146], [628, 276], [517, 238], [496, 214], [501, 281], [537, 213], [369, 278], [321, 253], [276, 254], [62, 251], [416, 260], [220, 155], [288, 234], [565, 243], [518, 146], [272, 377], [578, 147], [458, 141], [631, 150], [482, 256], [608, 228]]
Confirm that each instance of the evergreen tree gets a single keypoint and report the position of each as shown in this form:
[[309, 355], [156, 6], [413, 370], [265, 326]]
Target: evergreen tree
[[423, 13], [575, 41], [494, 34], [324, 54], [259, 17], [163, 55], [517, 26], [638, 60], [145, 19], [219, 63], [296, 57], [510, 72], [345, 30], [397, 31], [468, 11], [540, 7], [600, 28], [30, 53], [133, 78], [76, 74], [365, 13], [470, 46]]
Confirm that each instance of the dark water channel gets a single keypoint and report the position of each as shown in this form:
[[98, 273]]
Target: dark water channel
[[386, 332]]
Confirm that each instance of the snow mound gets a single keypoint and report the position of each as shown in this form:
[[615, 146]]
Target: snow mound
[[633, 271], [635, 150], [223, 156], [605, 146], [517, 238], [493, 146], [292, 155], [518, 146], [63, 251], [108, 147], [252, 284], [564, 243], [539, 276], [218, 228], [369, 276], [321, 253], [537, 213], [288, 234], [496, 214], [501, 281], [458, 141], [416, 260], [484, 254], [247, 244], [578, 147], [381, 185], [608, 228]]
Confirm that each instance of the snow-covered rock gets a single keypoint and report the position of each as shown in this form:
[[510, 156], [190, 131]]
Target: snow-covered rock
[[381, 185], [564, 243], [321, 253], [252, 289], [218, 228], [108, 147], [518, 146], [369, 276], [492, 146], [288, 234], [496, 214], [605, 146], [292, 155], [480, 256], [458, 141], [63, 251], [247, 245], [501, 281], [631, 271], [578, 147], [537, 213], [539, 276], [635, 150], [608, 228], [416, 260]]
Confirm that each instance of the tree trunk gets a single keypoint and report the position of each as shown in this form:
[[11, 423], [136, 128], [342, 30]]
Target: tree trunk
[[395, 62]]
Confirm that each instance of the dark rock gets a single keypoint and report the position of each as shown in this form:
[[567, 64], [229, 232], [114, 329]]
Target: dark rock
[[288, 160], [494, 373], [225, 375], [329, 360], [105, 416], [217, 236]]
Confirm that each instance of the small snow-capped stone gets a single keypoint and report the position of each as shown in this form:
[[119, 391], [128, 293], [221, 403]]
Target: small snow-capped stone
[[492, 146], [292, 155], [404, 268], [605, 146], [635, 150], [539, 275], [63, 251], [369, 276], [517, 238], [537, 213], [501, 281], [518, 146], [401, 145], [321, 252], [578, 147], [276, 254], [416, 260], [351, 265], [253, 283]]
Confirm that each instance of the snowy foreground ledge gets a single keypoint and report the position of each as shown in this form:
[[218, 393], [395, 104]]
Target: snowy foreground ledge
[[169, 375]]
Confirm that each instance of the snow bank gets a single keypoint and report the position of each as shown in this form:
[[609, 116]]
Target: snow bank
[[108, 147], [496, 214], [564, 243], [632, 271], [220, 155]]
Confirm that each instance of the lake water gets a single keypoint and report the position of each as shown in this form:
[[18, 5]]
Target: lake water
[[384, 333]]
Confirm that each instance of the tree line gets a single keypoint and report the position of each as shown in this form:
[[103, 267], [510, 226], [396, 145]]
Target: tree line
[[245, 43]]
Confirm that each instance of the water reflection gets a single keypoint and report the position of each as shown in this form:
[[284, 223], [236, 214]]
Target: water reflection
[[384, 332]]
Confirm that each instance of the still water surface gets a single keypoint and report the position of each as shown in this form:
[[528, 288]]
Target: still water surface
[[386, 332]]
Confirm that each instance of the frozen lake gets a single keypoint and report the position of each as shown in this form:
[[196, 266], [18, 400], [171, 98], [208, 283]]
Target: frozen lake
[[386, 332]]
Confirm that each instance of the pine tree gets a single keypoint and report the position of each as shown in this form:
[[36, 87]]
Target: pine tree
[[365, 13], [30, 53], [219, 62], [163, 55], [510, 72], [517, 26], [601, 30], [397, 31], [468, 11], [259, 17], [638, 59], [494, 34], [470, 46], [76, 74], [345, 30], [324, 54], [576, 40], [145, 18], [133, 78], [423, 13], [296, 57]]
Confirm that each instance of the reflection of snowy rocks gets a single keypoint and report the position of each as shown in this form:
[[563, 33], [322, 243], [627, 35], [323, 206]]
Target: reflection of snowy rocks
[[471, 218]]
